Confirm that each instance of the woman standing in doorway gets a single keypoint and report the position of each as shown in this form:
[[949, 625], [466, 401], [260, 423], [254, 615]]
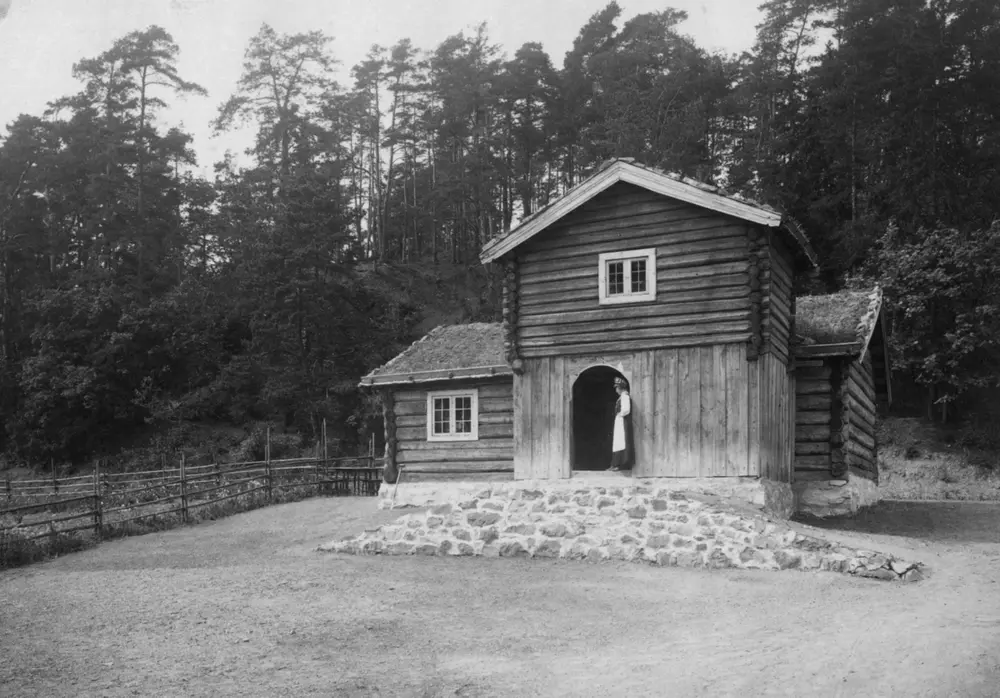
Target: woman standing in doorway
[[622, 446]]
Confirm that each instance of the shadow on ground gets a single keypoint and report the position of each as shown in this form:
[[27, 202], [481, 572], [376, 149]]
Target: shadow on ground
[[952, 522]]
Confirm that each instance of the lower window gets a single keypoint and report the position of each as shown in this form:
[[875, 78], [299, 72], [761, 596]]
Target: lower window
[[453, 415]]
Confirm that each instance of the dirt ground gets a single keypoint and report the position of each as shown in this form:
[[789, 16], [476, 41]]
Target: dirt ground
[[245, 606]]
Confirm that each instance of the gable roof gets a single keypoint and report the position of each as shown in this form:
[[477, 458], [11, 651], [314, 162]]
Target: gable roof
[[671, 185], [451, 352], [837, 324]]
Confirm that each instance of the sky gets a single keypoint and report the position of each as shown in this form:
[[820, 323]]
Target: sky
[[40, 40]]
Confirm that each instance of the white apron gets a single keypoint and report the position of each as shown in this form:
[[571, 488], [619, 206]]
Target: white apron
[[618, 438]]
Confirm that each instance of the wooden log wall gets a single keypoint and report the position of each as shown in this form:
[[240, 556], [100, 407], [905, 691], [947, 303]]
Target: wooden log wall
[[701, 276], [772, 397], [861, 447], [695, 412], [756, 344], [813, 412], [491, 457], [840, 419], [777, 278]]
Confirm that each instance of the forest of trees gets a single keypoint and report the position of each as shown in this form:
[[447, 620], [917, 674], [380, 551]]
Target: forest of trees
[[133, 292]]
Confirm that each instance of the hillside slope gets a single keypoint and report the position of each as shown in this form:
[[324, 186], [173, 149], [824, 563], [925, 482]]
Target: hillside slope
[[918, 461]]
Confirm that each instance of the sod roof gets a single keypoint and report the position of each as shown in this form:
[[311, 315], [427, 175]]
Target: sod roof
[[842, 318], [473, 350]]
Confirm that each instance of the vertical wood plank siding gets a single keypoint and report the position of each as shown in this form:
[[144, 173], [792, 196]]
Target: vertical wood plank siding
[[775, 404], [494, 451], [702, 280], [814, 405], [861, 449], [691, 410]]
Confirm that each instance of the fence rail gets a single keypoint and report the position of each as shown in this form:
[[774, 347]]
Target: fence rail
[[36, 509]]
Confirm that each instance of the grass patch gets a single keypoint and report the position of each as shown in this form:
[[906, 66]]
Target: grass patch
[[916, 461]]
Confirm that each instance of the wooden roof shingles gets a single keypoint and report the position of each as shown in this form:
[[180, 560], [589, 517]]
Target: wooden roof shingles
[[837, 324], [474, 350]]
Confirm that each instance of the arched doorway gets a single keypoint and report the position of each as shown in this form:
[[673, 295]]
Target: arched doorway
[[593, 417]]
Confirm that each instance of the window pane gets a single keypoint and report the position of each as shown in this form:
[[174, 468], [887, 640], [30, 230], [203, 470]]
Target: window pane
[[442, 415], [463, 415], [638, 276], [616, 278]]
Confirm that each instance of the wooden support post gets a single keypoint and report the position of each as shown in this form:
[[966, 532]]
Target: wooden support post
[[326, 456], [163, 470], [184, 498], [217, 469], [390, 472], [55, 482], [267, 464], [98, 506], [9, 492]]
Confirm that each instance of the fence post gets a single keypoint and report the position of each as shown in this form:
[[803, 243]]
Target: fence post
[[10, 494], [267, 463], [218, 471], [55, 482], [326, 455], [184, 496], [163, 470], [98, 505]]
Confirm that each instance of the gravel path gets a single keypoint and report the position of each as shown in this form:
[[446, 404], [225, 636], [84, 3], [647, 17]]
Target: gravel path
[[245, 606]]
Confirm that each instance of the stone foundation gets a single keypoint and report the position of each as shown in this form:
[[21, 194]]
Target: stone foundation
[[824, 498], [776, 498], [638, 523]]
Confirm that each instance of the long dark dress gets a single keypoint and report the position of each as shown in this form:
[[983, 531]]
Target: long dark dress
[[624, 458]]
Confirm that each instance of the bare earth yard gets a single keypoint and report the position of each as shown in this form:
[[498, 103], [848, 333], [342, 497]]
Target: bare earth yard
[[246, 606]]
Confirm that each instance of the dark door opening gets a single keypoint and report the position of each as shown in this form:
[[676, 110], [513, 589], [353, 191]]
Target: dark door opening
[[593, 418]]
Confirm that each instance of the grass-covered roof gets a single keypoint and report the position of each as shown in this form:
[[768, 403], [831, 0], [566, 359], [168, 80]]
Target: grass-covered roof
[[842, 318]]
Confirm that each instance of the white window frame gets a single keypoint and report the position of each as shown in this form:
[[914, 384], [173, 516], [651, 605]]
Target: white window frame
[[469, 436], [648, 254]]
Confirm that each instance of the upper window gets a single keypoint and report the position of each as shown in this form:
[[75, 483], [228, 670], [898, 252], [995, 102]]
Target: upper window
[[453, 416], [627, 277]]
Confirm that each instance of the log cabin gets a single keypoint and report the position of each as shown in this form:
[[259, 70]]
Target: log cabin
[[683, 291], [842, 384]]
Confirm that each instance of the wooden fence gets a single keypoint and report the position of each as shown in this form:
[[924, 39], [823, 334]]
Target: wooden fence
[[104, 502]]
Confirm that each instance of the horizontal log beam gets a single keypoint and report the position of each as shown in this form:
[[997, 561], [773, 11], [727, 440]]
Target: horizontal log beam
[[812, 433], [812, 403], [625, 339], [418, 459], [420, 420], [812, 462], [574, 326], [448, 374], [665, 237], [638, 345], [812, 448], [486, 406], [809, 418]]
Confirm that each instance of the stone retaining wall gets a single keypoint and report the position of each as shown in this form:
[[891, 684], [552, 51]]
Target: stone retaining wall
[[640, 524], [776, 498]]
